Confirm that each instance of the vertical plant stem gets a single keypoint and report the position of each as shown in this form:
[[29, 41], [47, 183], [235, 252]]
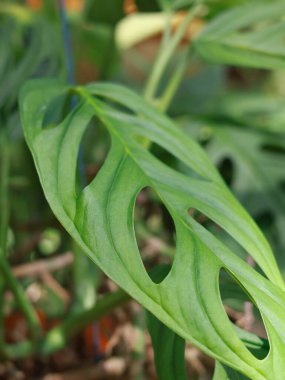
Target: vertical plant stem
[[70, 67], [166, 53], [173, 84], [7, 276], [20, 297], [4, 217], [4, 183], [70, 74]]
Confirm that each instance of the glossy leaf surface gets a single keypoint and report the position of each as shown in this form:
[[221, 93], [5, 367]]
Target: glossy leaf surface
[[100, 218], [258, 159]]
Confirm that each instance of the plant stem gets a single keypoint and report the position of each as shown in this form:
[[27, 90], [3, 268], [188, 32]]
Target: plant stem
[[4, 183], [166, 53], [173, 84], [4, 217], [70, 67], [20, 297], [7, 275], [58, 337]]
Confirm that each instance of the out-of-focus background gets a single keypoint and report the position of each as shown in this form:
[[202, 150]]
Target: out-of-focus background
[[236, 114]]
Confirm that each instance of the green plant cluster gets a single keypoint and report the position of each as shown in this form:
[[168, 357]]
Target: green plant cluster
[[225, 153]]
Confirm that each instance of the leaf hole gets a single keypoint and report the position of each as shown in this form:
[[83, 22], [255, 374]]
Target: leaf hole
[[222, 235], [58, 109], [281, 185], [154, 229], [226, 169], [216, 230], [173, 162], [265, 220], [243, 313], [273, 148], [93, 151]]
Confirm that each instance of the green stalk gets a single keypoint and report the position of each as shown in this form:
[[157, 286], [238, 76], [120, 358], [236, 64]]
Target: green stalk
[[4, 198], [166, 53], [7, 275], [4, 217], [59, 336], [173, 84], [20, 297]]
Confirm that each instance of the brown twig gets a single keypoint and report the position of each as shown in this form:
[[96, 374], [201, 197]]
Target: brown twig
[[40, 267], [248, 319], [112, 368], [55, 286]]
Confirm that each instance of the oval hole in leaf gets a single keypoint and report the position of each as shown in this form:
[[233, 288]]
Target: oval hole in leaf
[[281, 185], [58, 109], [273, 148], [242, 312], [94, 148], [267, 223], [222, 235], [155, 231], [172, 161], [27, 35], [226, 169]]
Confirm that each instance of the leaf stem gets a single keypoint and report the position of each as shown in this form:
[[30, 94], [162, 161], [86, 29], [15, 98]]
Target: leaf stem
[[173, 84], [165, 54], [4, 184], [70, 67], [4, 217], [7, 275], [20, 297], [58, 336]]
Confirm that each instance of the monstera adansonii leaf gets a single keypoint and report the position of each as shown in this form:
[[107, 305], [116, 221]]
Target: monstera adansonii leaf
[[250, 35], [100, 217], [258, 159]]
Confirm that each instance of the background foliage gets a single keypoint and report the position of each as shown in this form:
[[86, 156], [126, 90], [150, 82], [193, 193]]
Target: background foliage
[[221, 82]]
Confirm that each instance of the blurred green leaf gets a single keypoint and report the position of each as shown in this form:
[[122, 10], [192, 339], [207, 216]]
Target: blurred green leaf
[[226, 373], [258, 160], [29, 48], [251, 35], [168, 351], [249, 109], [107, 11]]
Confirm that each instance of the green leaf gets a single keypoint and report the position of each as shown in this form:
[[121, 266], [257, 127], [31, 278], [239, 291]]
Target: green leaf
[[107, 12], [168, 347], [168, 351], [212, 4], [249, 109], [226, 373], [220, 373], [258, 179], [255, 344], [28, 47], [100, 218], [250, 35]]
